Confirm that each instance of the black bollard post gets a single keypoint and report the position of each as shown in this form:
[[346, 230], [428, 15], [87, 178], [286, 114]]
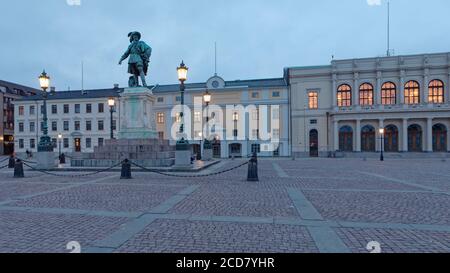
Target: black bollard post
[[18, 169], [62, 159], [252, 175], [126, 170], [12, 162]]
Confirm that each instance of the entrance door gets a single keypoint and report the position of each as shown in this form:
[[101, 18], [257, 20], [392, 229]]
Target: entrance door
[[197, 151], [346, 139], [391, 139], [415, 138], [216, 149], [77, 145], [314, 143], [439, 138], [368, 139]]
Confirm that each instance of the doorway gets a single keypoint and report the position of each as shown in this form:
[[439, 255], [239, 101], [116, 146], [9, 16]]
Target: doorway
[[77, 145], [314, 143]]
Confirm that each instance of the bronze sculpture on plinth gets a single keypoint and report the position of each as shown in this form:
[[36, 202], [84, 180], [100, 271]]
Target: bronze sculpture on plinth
[[138, 54]]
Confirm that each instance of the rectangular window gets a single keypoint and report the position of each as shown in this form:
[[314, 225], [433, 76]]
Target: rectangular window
[[313, 121], [276, 133], [255, 114], [32, 126], [21, 144], [66, 109], [197, 116], [54, 109], [255, 95], [101, 125], [276, 94], [66, 125], [256, 148], [178, 99], [21, 127], [160, 99], [21, 110], [66, 143], [114, 125], [88, 125], [54, 143], [160, 118], [88, 108], [161, 135], [77, 125], [32, 143], [101, 107], [77, 109], [88, 142], [100, 142], [32, 110], [235, 132], [313, 100], [54, 126]]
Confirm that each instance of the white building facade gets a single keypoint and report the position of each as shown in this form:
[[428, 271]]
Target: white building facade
[[341, 107]]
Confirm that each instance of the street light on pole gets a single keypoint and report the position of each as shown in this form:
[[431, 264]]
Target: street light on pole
[[207, 99], [45, 144], [182, 70], [382, 144], [111, 103], [60, 136]]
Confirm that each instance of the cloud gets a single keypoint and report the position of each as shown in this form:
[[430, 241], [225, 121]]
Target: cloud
[[374, 2]]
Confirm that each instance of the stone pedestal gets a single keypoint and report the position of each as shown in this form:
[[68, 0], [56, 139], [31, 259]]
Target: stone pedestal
[[45, 160], [183, 159], [137, 118], [207, 154]]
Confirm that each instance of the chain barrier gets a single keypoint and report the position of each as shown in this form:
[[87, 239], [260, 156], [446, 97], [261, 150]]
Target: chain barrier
[[3, 167], [187, 176], [73, 176], [3, 160]]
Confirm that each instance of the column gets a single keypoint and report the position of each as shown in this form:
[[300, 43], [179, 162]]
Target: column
[[404, 135], [380, 125], [334, 90], [424, 89], [358, 135], [336, 135], [377, 100], [401, 88], [429, 147], [447, 97], [355, 93]]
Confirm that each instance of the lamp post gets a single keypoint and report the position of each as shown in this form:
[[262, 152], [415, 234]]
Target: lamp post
[[45, 144], [111, 103], [382, 144], [60, 136], [183, 153], [207, 144]]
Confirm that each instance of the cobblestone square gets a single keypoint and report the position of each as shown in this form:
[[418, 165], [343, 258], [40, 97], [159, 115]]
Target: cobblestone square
[[299, 206]]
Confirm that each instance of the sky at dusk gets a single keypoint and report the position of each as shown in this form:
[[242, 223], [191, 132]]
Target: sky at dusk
[[255, 38]]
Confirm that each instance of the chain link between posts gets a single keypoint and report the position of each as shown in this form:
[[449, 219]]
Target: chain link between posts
[[73, 176], [187, 176]]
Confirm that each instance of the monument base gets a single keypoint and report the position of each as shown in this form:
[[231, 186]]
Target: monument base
[[138, 134], [183, 159], [207, 154], [45, 160]]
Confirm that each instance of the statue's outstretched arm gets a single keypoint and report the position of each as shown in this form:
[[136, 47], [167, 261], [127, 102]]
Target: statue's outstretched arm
[[124, 56]]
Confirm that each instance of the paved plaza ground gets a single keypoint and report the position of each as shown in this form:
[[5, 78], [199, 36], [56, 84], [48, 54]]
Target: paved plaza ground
[[311, 205]]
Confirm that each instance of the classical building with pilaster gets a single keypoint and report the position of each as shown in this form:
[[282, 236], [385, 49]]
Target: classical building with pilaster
[[339, 109]]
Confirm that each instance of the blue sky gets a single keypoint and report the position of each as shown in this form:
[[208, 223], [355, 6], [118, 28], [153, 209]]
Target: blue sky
[[256, 38]]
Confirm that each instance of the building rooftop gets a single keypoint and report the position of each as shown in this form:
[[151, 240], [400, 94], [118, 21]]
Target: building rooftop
[[17, 89], [157, 89]]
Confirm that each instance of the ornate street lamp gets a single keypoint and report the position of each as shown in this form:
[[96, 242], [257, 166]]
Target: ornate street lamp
[[182, 144], [382, 144], [60, 136], [45, 144], [111, 103], [207, 99]]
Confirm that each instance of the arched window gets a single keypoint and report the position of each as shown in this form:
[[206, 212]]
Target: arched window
[[412, 92], [344, 95], [366, 94], [436, 91], [388, 94]]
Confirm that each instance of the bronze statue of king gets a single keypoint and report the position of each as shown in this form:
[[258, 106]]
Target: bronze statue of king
[[138, 54]]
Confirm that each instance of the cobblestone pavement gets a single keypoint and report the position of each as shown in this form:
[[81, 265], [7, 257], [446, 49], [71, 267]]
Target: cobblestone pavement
[[323, 205]]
